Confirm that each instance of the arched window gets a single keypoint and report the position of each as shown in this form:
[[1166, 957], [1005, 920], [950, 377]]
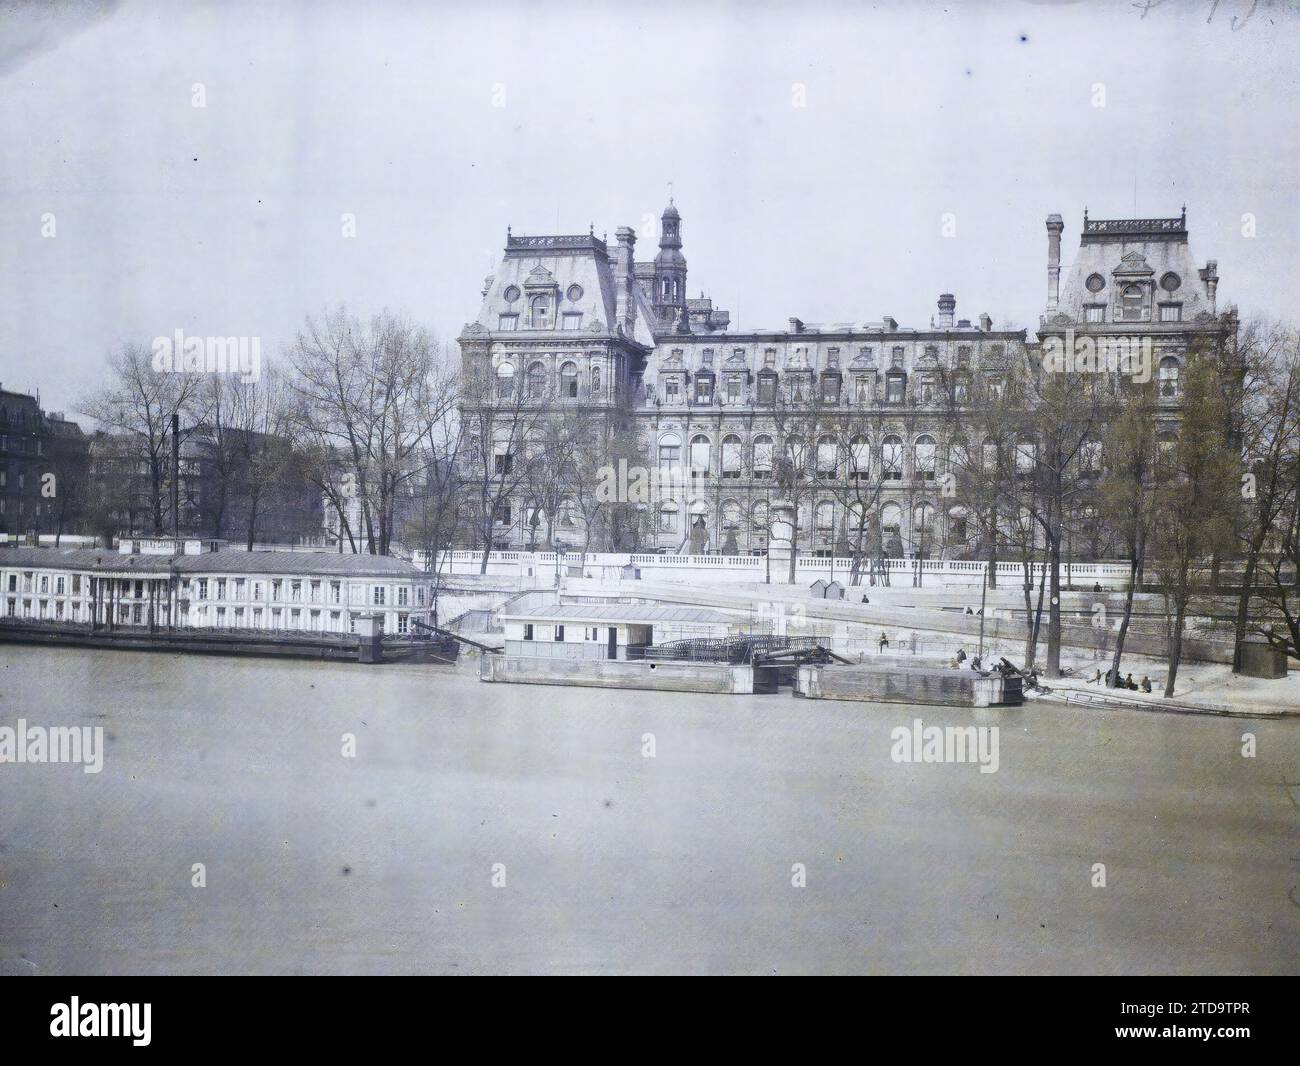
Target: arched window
[[1026, 455], [759, 516], [1132, 301], [925, 458], [958, 455], [825, 517], [668, 517], [827, 461], [859, 458], [1169, 371], [762, 456], [891, 521], [891, 458], [536, 381], [569, 381], [670, 450], [990, 456], [1165, 442], [1090, 457], [539, 309], [505, 381], [700, 455], [796, 454], [730, 514], [731, 456]]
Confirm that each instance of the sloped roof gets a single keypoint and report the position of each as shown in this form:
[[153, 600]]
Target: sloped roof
[[635, 613], [228, 561]]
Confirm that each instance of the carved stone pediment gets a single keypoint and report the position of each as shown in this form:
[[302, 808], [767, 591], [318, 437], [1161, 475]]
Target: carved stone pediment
[[1133, 264], [540, 278]]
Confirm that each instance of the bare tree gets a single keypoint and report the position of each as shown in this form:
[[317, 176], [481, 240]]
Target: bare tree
[[138, 404], [362, 411]]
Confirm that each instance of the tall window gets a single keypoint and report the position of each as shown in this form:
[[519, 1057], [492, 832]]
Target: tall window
[[700, 454], [731, 456], [826, 457], [1169, 378], [1131, 303], [539, 310], [505, 381], [595, 382], [536, 381], [569, 381], [895, 388], [860, 458], [891, 458], [668, 517], [762, 456], [670, 450], [925, 454]]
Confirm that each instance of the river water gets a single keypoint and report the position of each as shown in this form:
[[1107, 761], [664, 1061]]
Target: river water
[[615, 862]]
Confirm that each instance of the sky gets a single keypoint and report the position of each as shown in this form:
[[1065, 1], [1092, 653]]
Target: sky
[[834, 162]]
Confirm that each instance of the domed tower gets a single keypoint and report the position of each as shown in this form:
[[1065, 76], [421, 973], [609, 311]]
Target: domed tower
[[670, 269]]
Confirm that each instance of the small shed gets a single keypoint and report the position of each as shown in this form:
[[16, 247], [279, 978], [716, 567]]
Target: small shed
[[606, 630], [834, 590], [818, 588]]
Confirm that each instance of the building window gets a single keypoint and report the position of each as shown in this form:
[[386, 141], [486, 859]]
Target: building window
[[925, 458], [202, 593], [508, 323], [963, 355], [572, 320], [528, 631], [735, 389], [1094, 313], [895, 388], [559, 634], [672, 390], [891, 458], [536, 381], [539, 310], [668, 518], [700, 457], [704, 389], [1168, 375], [1171, 312], [707, 358], [1132, 303], [859, 458], [569, 381], [505, 381], [762, 456], [731, 456], [295, 591], [769, 357], [377, 595], [767, 389]]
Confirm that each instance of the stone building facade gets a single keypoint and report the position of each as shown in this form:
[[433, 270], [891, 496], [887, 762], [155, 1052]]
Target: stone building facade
[[837, 437]]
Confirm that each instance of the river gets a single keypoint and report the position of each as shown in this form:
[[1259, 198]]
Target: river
[[613, 860]]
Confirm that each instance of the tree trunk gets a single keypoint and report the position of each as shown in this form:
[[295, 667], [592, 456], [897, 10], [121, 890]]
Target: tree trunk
[[1134, 567]]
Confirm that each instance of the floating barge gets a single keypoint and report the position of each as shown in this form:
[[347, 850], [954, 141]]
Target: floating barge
[[933, 685], [340, 647]]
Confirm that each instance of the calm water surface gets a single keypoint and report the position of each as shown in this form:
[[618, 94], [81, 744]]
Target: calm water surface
[[615, 862]]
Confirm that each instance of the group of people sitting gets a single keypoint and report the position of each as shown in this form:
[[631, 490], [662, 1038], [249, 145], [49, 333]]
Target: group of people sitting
[[1143, 686]]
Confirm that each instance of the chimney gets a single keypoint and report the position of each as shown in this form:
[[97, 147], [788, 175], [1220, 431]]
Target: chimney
[[796, 325], [624, 278], [1054, 228], [1210, 275], [891, 326], [947, 305], [986, 322]]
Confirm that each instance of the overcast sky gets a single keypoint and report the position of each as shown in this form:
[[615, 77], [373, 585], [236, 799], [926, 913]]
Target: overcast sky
[[226, 219]]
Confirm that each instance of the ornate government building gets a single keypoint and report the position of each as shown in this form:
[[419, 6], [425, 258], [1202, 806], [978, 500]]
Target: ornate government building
[[811, 431]]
